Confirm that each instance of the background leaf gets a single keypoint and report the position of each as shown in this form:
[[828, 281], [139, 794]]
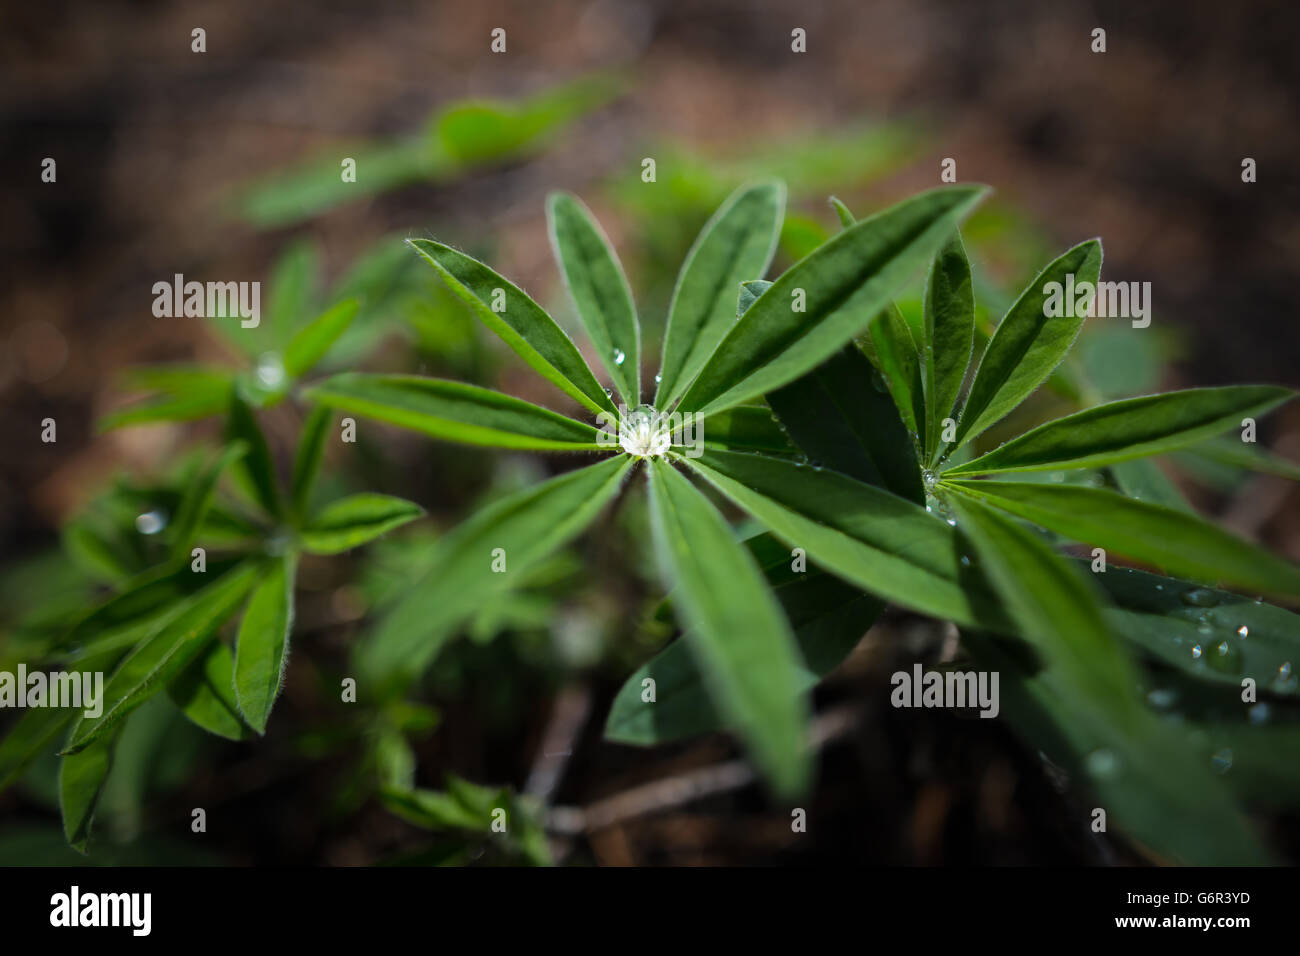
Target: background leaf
[[352, 521]]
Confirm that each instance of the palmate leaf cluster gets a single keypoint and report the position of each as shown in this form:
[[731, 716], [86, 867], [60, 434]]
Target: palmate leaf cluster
[[847, 434]]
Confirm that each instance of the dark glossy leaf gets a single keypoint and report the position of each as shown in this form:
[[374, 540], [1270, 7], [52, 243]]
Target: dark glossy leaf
[[205, 693], [949, 314], [847, 282]]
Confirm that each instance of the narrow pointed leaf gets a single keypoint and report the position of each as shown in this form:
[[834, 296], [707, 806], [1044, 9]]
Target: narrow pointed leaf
[[1213, 635], [307, 459], [1232, 451], [841, 419], [900, 366], [205, 693], [197, 499], [352, 521], [255, 469], [454, 411], [1127, 429], [599, 289], [746, 428], [1027, 345], [310, 343], [81, 781], [165, 653], [523, 325], [846, 283], [829, 618], [885, 544], [1056, 609], [842, 211], [734, 246], [740, 639], [1180, 543], [949, 313], [262, 646], [1142, 479], [1153, 781], [526, 527]]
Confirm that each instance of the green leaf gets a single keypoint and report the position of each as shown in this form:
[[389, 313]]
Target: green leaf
[[262, 647], [523, 325], [746, 428], [307, 459], [1028, 345], [740, 639], [1055, 607], [526, 527], [900, 366], [885, 544], [735, 245], [294, 284], [1142, 478], [1237, 637], [165, 653], [1174, 540], [1231, 450], [842, 211], [750, 290], [205, 693], [197, 499], [1127, 429], [949, 313], [842, 420], [599, 289], [35, 732], [454, 411], [847, 281], [312, 341], [352, 521], [1151, 779], [81, 781], [194, 394], [255, 470], [828, 616]]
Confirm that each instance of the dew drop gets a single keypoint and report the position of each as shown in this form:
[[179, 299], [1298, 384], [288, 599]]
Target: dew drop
[[1102, 763], [1258, 714], [619, 356], [1243, 632], [1226, 657], [151, 522], [270, 370], [659, 379], [1196, 652], [1162, 698], [1199, 597], [965, 560]]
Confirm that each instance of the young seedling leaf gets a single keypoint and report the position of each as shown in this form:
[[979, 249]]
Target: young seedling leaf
[[900, 366], [737, 633], [599, 289], [454, 411], [734, 246], [522, 323], [825, 299]]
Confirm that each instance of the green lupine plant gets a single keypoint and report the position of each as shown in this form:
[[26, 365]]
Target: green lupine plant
[[161, 631], [846, 436]]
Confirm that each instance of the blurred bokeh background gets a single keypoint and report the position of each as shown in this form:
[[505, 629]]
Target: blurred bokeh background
[[224, 165]]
